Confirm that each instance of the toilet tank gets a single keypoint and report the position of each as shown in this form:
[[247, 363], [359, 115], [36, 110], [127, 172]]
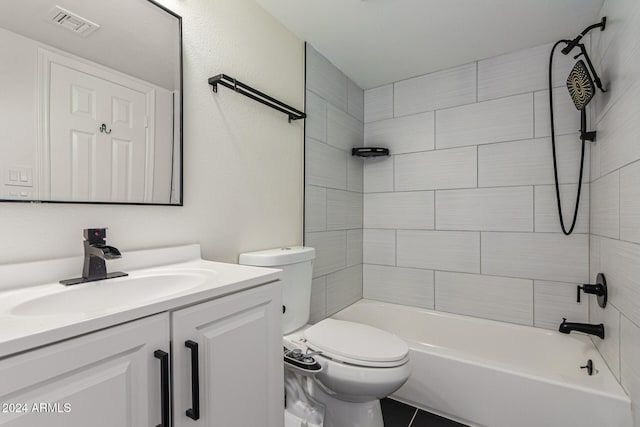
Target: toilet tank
[[296, 264]]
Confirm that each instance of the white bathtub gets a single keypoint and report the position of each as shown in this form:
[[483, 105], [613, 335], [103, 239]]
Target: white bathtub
[[494, 374]]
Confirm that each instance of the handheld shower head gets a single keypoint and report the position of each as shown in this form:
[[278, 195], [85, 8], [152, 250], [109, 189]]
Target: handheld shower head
[[580, 85]]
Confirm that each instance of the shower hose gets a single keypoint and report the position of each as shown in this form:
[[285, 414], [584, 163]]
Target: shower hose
[[555, 160]]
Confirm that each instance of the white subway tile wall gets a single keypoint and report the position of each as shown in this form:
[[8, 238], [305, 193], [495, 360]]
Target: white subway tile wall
[[610, 346], [475, 138], [403, 134], [504, 119], [378, 103], [440, 169], [615, 199], [485, 209], [605, 206], [554, 301], [409, 286], [566, 118], [334, 183], [409, 210], [496, 298], [439, 250], [379, 247], [522, 71], [442, 89], [546, 207]]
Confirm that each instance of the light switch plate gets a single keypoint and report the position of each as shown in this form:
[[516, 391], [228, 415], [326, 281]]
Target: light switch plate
[[14, 193], [21, 177]]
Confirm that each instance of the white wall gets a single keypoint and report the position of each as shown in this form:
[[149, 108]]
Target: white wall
[[242, 161], [333, 185], [615, 202], [18, 125], [462, 217]]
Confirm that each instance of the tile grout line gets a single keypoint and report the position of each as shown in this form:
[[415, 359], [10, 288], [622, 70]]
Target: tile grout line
[[440, 270], [413, 418], [477, 166], [477, 82], [619, 202], [433, 276], [620, 345], [533, 303], [533, 190], [393, 100], [480, 252], [396, 248]]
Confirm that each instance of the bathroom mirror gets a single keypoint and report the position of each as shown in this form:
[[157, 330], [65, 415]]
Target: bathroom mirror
[[91, 102]]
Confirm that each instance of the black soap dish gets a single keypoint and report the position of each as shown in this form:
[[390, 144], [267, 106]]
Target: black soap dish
[[369, 151]]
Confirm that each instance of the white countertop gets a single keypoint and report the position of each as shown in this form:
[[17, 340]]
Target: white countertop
[[20, 331]]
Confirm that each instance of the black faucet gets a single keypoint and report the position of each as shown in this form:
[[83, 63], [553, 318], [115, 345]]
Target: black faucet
[[567, 327], [96, 253]]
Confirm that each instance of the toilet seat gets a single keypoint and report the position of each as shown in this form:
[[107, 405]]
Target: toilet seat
[[356, 344]]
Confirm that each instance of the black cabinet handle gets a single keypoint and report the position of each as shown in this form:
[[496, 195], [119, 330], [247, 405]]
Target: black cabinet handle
[[194, 411], [164, 386]]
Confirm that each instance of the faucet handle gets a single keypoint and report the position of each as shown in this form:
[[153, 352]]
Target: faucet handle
[[578, 288], [599, 289], [95, 235]]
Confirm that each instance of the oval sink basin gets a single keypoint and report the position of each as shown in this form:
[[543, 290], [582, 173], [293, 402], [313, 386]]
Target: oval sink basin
[[111, 294]]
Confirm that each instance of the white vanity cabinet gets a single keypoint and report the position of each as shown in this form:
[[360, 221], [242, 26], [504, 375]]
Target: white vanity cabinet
[[121, 352], [237, 379], [104, 379]]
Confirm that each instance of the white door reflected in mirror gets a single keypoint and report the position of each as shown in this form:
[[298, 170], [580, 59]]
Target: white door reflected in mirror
[[91, 116]]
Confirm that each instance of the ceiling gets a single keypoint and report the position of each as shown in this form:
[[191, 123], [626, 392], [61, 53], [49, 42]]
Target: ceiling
[[376, 42], [135, 37]]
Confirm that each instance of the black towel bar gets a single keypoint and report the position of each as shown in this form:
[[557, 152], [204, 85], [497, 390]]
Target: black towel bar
[[256, 95]]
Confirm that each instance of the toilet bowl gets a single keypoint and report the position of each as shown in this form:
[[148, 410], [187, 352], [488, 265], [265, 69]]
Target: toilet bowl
[[360, 364]]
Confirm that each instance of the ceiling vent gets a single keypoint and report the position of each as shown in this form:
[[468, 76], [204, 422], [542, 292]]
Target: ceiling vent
[[71, 21]]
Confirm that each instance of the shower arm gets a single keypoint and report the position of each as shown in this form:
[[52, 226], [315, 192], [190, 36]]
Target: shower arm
[[573, 43]]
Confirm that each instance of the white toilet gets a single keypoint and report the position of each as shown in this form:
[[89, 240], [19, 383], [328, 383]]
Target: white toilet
[[361, 364]]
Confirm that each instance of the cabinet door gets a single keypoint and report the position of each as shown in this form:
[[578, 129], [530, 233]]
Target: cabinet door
[[239, 340], [105, 379]]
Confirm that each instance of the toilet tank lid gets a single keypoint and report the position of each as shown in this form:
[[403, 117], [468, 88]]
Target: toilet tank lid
[[278, 256]]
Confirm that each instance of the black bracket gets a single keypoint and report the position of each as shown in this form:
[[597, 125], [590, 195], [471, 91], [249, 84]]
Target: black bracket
[[588, 136], [256, 95]]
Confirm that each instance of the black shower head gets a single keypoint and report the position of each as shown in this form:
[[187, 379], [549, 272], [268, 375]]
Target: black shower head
[[580, 85]]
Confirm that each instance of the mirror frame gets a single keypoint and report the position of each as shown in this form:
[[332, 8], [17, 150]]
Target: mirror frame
[[181, 201]]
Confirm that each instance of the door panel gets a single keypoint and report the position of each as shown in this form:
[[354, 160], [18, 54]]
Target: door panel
[[104, 379], [122, 165], [83, 102], [83, 163], [240, 360]]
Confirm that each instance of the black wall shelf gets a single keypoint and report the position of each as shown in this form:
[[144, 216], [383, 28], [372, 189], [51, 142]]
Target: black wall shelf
[[256, 95], [369, 151]]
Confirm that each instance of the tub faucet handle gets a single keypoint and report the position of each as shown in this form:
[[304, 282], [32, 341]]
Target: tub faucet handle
[[598, 289]]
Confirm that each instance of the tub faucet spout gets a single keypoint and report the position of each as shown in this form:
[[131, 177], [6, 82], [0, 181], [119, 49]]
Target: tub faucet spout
[[567, 327]]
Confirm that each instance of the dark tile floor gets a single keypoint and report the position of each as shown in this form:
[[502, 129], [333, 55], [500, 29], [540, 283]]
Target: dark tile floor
[[398, 414]]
